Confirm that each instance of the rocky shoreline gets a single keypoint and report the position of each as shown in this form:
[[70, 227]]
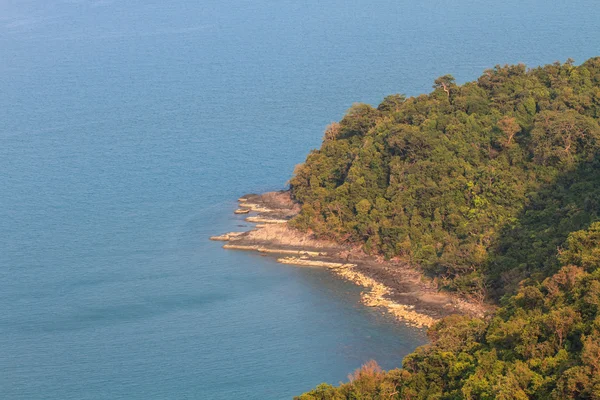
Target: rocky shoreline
[[395, 287]]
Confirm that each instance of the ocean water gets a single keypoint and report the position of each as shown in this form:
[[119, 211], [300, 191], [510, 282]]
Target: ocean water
[[129, 128]]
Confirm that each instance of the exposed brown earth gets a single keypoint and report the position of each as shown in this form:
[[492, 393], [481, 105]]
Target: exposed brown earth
[[394, 286]]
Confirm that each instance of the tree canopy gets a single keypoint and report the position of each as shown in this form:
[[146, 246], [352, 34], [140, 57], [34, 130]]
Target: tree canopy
[[493, 189], [447, 180]]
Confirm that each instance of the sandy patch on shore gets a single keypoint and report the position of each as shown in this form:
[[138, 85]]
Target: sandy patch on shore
[[308, 262], [377, 294], [283, 235]]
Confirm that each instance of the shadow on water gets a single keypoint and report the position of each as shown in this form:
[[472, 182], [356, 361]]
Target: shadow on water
[[528, 248]]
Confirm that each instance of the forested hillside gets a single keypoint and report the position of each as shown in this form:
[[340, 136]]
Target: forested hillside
[[477, 184], [493, 189], [543, 344]]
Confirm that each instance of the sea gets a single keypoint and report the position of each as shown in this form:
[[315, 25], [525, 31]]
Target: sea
[[128, 129]]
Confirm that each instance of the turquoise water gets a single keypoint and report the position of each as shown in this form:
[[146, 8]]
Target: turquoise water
[[127, 131]]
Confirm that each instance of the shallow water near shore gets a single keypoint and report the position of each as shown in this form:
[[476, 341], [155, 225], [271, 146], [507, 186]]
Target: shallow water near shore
[[129, 129]]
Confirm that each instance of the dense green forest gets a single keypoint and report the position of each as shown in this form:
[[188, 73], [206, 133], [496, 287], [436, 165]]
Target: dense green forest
[[493, 189], [478, 184], [543, 344]]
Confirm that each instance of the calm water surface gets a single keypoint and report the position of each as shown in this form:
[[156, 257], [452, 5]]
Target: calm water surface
[[128, 129]]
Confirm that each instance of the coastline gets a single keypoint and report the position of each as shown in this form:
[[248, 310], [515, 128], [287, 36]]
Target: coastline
[[393, 286]]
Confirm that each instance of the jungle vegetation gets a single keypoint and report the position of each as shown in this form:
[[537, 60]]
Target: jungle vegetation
[[477, 184], [492, 188]]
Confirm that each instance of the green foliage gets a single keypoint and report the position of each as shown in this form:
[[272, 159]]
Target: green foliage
[[478, 184], [526, 247], [543, 344], [492, 186]]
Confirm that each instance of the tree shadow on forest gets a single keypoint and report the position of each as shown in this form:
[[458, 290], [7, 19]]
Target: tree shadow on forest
[[528, 249]]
